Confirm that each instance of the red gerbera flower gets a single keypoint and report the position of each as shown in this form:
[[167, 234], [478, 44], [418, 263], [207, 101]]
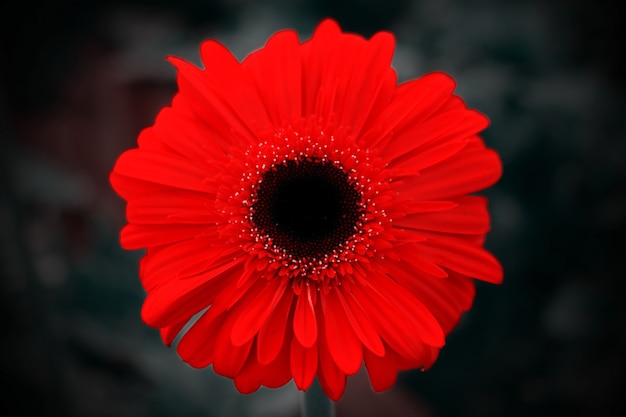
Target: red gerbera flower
[[311, 212]]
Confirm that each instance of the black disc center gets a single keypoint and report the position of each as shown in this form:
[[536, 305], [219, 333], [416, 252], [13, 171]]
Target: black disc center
[[306, 207]]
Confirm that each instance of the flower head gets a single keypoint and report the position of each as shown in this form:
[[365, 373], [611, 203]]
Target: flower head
[[311, 213]]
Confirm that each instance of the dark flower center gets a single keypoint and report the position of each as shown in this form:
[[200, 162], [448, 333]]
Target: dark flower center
[[308, 208]]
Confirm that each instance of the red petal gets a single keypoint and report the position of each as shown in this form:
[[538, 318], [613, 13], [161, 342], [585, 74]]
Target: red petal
[[446, 298], [304, 324], [413, 102], [421, 318], [139, 236], [227, 102], [230, 294], [343, 345], [347, 76], [272, 335], [282, 88], [257, 310], [431, 357], [229, 359], [412, 207], [172, 207], [178, 132], [196, 345], [405, 145], [228, 83], [187, 258], [248, 380], [382, 371], [463, 257], [179, 299], [453, 125], [432, 155], [129, 188], [430, 206], [470, 216], [303, 364], [278, 372], [424, 265], [166, 169], [466, 172], [371, 85], [401, 319], [361, 323], [332, 380], [272, 375], [316, 62], [387, 323]]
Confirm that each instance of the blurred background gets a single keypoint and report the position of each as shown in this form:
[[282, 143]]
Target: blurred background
[[80, 79]]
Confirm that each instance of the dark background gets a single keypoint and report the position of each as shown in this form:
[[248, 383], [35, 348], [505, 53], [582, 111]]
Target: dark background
[[80, 79]]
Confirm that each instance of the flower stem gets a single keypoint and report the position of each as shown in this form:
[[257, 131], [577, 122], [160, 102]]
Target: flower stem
[[315, 403]]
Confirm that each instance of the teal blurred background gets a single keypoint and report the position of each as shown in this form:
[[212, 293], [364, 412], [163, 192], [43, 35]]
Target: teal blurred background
[[79, 79]]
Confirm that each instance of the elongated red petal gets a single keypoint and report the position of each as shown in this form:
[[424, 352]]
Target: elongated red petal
[[433, 155], [445, 298], [453, 125], [421, 263], [273, 375], [304, 323], [248, 380], [413, 102], [281, 51], [228, 359], [196, 345], [271, 336], [429, 206], [303, 363], [371, 84], [466, 172], [190, 143], [256, 312], [136, 236], [347, 76], [343, 344], [180, 299], [392, 332], [228, 84], [470, 216], [381, 371], [174, 207], [463, 257], [162, 169], [421, 318], [229, 106], [361, 324], [188, 258], [278, 372], [331, 378], [129, 188]]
